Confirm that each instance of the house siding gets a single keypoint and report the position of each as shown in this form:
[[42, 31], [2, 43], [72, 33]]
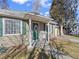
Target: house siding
[[1, 27], [25, 28]]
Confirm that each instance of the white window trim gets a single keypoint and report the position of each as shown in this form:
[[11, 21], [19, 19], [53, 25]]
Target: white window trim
[[4, 28]]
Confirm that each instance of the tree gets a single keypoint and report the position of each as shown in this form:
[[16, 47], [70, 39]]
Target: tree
[[57, 12], [4, 4], [36, 6], [70, 15], [64, 12]]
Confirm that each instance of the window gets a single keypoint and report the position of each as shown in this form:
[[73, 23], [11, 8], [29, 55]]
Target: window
[[12, 26]]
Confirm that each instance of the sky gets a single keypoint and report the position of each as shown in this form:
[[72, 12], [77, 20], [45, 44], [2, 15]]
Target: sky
[[26, 5], [78, 11]]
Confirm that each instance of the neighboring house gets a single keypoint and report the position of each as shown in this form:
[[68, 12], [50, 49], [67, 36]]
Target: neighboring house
[[32, 26]]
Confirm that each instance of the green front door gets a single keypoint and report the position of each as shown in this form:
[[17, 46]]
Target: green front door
[[35, 31]]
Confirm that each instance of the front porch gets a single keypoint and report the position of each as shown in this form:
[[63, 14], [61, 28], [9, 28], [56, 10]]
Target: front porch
[[39, 30]]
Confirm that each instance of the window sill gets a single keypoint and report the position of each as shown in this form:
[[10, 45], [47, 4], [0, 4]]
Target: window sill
[[11, 34]]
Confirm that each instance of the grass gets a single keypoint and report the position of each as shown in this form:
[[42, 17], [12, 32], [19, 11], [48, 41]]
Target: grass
[[75, 36], [38, 53], [69, 48], [16, 52], [21, 52]]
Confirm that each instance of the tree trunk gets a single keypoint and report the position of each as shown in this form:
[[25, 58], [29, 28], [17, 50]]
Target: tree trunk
[[61, 30]]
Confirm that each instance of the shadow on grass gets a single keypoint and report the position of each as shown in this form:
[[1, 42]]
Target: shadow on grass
[[31, 54], [41, 55], [60, 49]]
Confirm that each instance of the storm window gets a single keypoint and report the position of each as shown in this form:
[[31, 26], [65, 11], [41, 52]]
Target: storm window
[[12, 26]]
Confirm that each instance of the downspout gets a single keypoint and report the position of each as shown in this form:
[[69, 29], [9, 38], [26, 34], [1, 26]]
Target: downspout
[[48, 31]]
